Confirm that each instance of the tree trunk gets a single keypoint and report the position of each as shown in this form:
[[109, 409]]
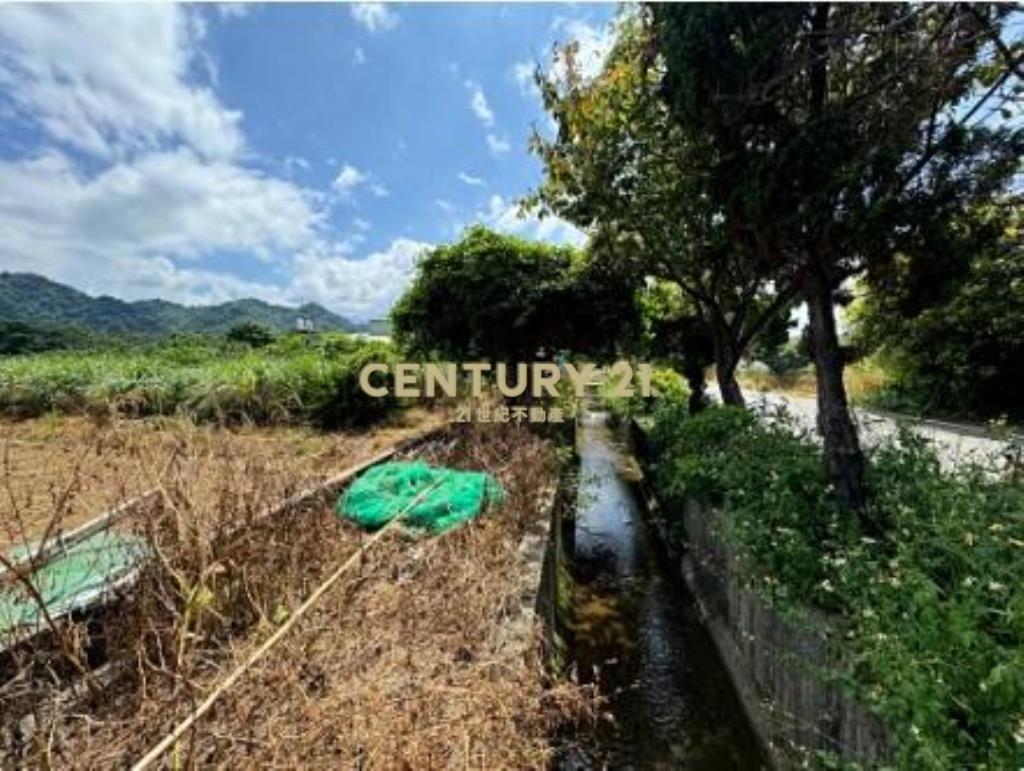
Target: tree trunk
[[843, 457], [726, 360], [694, 374]]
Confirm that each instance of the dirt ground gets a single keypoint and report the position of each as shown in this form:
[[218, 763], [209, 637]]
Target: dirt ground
[[424, 656], [63, 471]]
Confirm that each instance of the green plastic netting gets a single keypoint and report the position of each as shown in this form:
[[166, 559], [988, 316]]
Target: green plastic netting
[[384, 491], [75, 578]]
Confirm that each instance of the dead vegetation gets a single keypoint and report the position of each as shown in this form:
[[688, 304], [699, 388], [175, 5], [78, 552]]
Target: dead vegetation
[[423, 656], [861, 379], [57, 472]]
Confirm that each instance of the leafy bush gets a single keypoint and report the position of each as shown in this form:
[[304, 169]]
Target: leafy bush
[[710, 437], [931, 615], [667, 386], [514, 297], [344, 403], [948, 319], [250, 333]]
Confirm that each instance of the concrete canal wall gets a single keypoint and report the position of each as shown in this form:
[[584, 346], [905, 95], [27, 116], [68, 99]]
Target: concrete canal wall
[[778, 663]]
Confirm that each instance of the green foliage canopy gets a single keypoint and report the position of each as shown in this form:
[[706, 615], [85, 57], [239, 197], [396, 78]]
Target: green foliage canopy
[[622, 169], [947, 317], [252, 334], [829, 133], [497, 297]]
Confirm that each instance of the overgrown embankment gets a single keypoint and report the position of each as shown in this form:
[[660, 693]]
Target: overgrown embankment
[[928, 606]]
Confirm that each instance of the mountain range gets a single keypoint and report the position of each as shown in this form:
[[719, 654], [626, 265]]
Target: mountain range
[[32, 299]]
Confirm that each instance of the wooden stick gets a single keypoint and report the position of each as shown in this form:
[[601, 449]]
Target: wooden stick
[[166, 743]]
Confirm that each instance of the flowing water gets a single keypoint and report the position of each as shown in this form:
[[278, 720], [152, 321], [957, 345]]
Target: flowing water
[[637, 633]]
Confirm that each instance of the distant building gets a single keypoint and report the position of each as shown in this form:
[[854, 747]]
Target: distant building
[[304, 325]]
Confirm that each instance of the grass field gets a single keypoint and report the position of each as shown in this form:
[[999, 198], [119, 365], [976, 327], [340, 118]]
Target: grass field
[[296, 379], [426, 655]]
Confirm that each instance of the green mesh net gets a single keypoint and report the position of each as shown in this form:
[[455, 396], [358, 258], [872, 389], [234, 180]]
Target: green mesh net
[[78, 576], [384, 491]]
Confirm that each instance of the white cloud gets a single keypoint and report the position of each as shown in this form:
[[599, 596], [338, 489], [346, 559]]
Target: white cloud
[[363, 288], [348, 179], [505, 216], [523, 74], [113, 83], [593, 45], [358, 55], [233, 10], [171, 204], [139, 231], [470, 179], [478, 104], [444, 205], [128, 230], [498, 145], [376, 17], [167, 182]]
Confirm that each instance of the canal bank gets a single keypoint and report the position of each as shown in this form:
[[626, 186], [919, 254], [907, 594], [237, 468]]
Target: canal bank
[[635, 632], [782, 665]]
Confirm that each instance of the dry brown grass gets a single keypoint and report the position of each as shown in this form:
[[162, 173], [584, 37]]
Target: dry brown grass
[[423, 657], [62, 471], [860, 380]]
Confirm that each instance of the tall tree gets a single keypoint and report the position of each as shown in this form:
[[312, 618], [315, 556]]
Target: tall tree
[[620, 169], [830, 132], [674, 333], [501, 298], [947, 315]]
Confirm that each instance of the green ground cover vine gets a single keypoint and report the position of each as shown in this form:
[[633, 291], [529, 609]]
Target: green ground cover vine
[[930, 612]]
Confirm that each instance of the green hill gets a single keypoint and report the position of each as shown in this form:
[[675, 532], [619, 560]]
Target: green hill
[[31, 299]]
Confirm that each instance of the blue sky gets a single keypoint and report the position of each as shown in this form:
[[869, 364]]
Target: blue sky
[[288, 152]]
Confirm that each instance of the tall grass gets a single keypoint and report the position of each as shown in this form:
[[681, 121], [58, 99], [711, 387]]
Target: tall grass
[[861, 378], [296, 379]]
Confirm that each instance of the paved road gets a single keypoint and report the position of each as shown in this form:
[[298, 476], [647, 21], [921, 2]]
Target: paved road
[[955, 444]]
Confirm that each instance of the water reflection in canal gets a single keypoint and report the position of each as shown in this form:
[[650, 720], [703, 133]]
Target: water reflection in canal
[[637, 633]]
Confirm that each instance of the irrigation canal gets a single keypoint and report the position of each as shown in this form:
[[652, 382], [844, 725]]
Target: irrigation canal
[[637, 633]]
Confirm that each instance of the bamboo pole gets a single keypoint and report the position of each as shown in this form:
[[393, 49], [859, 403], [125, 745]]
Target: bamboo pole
[[165, 744]]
